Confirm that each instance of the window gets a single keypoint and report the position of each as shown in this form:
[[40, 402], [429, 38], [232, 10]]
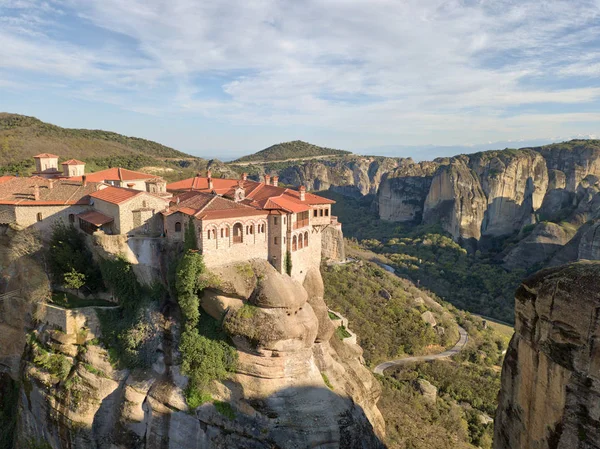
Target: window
[[71, 218], [306, 239], [294, 244], [275, 241], [178, 226], [227, 231], [321, 212], [251, 229], [315, 213], [208, 234], [144, 204], [284, 220], [327, 212], [300, 242], [222, 232], [275, 220], [39, 216], [238, 233]]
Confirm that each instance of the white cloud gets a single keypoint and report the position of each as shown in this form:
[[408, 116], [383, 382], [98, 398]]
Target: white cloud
[[387, 65]]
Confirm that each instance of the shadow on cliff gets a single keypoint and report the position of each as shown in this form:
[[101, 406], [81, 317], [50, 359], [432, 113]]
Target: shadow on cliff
[[316, 417]]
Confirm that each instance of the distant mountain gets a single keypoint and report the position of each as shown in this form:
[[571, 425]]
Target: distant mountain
[[22, 137], [296, 149]]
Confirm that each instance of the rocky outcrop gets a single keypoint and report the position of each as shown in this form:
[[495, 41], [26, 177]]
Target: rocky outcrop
[[352, 175], [456, 201], [539, 246], [296, 385], [551, 375], [485, 196], [332, 244], [402, 192]]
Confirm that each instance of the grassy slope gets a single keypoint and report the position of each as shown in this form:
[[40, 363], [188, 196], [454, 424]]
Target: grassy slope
[[22, 137], [290, 150]]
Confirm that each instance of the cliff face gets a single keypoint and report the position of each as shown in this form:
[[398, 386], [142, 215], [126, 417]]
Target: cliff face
[[550, 391], [494, 194], [296, 385], [352, 176]]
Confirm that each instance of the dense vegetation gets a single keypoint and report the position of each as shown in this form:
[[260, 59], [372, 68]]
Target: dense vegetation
[[69, 260], [386, 328], [429, 257], [291, 150], [206, 354]]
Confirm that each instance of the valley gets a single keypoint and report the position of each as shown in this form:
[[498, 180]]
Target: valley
[[380, 312]]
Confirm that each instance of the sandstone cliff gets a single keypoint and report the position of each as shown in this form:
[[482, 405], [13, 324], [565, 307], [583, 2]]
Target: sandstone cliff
[[551, 374], [351, 175], [296, 385], [483, 196]]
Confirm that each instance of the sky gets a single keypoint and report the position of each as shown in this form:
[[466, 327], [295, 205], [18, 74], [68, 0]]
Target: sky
[[226, 77]]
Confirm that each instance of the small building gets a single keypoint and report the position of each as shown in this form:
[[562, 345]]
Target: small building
[[121, 177], [46, 165], [133, 211], [73, 167]]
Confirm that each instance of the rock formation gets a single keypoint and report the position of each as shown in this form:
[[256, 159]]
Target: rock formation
[[296, 384], [352, 176], [550, 391]]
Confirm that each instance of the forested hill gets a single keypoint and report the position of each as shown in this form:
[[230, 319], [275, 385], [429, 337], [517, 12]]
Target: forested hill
[[22, 137], [291, 150]]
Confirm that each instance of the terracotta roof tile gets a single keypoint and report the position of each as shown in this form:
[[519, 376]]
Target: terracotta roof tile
[[73, 162], [116, 195], [96, 218], [45, 155], [21, 191], [116, 174]]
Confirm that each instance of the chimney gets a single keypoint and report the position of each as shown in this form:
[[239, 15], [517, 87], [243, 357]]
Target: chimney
[[244, 176], [302, 191], [209, 178], [36, 192], [84, 180], [51, 184], [208, 174], [267, 179], [275, 181]]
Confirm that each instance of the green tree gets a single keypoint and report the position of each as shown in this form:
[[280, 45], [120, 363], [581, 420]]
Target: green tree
[[73, 279], [190, 240]]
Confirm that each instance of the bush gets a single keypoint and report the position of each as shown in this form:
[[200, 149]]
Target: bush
[[70, 260]]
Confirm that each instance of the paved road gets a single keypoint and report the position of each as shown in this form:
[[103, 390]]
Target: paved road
[[462, 341]]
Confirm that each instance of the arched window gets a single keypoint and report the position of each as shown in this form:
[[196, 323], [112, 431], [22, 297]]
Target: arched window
[[39, 216], [208, 234], [177, 226], [294, 244], [71, 218], [247, 229], [251, 229], [238, 233], [300, 242], [306, 239]]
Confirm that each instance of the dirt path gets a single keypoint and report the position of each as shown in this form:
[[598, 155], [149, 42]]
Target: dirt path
[[462, 341]]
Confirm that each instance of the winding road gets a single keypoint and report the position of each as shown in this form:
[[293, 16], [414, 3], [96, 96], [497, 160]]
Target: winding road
[[462, 341]]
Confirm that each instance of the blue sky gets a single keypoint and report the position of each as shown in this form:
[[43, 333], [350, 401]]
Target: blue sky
[[227, 77]]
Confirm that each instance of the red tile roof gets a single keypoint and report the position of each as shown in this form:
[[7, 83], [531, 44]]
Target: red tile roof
[[45, 155], [5, 178], [21, 191], [116, 174], [73, 162], [116, 195], [96, 218], [208, 206], [258, 195]]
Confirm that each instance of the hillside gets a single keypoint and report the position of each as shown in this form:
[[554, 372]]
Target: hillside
[[296, 149], [22, 137]]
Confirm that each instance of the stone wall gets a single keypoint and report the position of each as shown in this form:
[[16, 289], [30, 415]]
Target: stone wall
[[124, 216], [332, 243], [71, 321], [26, 216]]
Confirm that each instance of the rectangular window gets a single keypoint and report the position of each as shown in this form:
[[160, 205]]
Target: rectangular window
[[315, 213], [327, 212], [222, 232], [321, 212], [275, 220], [275, 240]]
